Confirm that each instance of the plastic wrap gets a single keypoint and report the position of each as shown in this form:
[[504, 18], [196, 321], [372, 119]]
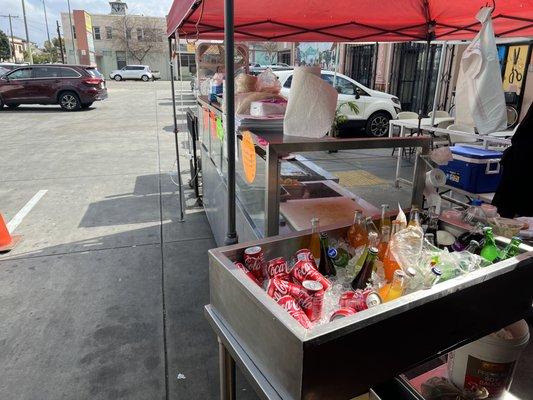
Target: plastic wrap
[[267, 81], [245, 83]]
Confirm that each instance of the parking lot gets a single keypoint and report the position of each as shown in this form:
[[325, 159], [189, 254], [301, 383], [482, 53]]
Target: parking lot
[[103, 297]]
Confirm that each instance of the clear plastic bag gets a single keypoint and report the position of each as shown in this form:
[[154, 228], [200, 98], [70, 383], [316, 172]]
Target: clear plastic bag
[[267, 81]]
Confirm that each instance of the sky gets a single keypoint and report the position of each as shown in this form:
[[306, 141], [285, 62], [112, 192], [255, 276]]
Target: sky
[[36, 21]]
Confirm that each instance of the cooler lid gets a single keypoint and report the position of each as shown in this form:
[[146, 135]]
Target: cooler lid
[[475, 152]]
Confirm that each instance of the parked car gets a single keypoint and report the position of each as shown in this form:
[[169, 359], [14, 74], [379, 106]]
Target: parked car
[[3, 70], [375, 108], [138, 72], [71, 86], [11, 66]]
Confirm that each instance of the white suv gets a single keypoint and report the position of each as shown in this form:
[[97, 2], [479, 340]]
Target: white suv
[[375, 108], [142, 72]]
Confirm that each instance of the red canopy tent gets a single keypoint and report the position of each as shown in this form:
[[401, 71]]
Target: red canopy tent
[[326, 21], [347, 20]]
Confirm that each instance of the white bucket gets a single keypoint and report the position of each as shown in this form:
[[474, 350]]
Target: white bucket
[[490, 361]]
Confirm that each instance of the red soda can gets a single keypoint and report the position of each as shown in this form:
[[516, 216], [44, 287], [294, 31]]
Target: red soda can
[[277, 288], [316, 293], [278, 268], [294, 310], [304, 271], [342, 313], [254, 259], [305, 255], [359, 300], [247, 273]]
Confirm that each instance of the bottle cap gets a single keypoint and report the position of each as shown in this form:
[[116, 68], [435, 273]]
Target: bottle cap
[[487, 229], [476, 202], [332, 252], [323, 234], [399, 274], [436, 271], [411, 272], [373, 251], [474, 243]]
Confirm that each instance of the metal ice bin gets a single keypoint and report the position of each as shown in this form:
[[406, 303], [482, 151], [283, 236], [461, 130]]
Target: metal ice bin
[[345, 358]]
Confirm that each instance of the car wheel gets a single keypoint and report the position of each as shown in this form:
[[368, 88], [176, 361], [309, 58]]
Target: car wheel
[[86, 105], [145, 78], [69, 101], [12, 106], [117, 78], [378, 124]]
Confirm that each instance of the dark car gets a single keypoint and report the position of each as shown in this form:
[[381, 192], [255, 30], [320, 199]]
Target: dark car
[[73, 87]]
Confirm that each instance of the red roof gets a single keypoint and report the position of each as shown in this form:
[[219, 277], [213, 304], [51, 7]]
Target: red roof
[[347, 20]]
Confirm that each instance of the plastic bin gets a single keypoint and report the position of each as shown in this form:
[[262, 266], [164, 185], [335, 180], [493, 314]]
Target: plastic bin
[[473, 169]]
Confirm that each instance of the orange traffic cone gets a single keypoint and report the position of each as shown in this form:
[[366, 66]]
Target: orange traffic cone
[[7, 241]]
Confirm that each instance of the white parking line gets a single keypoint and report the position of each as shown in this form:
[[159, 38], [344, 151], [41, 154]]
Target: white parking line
[[17, 219]]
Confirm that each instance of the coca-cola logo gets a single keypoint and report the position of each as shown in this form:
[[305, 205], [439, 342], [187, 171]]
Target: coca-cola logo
[[302, 269], [277, 268], [254, 264]]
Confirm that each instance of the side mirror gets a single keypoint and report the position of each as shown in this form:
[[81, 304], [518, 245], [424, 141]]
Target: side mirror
[[357, 96]]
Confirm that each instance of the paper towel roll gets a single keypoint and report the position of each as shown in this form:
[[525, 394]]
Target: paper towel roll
[[436, 178], [311, 106]]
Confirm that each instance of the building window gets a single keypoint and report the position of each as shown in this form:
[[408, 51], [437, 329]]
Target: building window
[[140, 34], [74, 31], [108, 32], [128, 33], [96, 30]]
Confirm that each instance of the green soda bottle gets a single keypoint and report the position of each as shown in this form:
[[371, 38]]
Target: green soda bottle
[[511, 250], [489, 251]]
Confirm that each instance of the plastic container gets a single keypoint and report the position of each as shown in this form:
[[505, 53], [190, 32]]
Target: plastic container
[[473, 169], [490, 361]]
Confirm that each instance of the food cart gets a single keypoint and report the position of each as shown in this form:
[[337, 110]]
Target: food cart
[[341, 359]]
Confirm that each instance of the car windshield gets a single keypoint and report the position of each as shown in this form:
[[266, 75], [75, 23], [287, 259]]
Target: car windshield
[[3, 71]]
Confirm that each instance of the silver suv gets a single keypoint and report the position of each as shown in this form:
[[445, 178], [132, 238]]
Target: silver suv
[[141, 72]]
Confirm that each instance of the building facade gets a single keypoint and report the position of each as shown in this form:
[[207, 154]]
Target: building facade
[[18, 46], [112, 41]]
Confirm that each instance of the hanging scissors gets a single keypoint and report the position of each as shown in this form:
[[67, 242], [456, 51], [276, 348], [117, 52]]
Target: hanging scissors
[[515, 73]]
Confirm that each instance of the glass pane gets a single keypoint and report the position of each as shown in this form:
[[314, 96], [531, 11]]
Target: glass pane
[[46, 72], [24, 73], [69, 73]]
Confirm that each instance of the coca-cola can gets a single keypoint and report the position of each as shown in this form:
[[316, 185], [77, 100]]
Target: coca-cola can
[[277, 288], [278, 268], [304, 271], [247, 273], [316, 293], [294, 310], [342, 313], [305, 255], [254, 259], [360, 300]]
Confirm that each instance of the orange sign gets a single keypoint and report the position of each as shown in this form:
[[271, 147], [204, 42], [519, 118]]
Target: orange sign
[[248, 156]]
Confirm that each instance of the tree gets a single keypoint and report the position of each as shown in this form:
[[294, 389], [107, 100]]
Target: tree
[[5, 53], [50, 53], [271, 50], [138, 36]]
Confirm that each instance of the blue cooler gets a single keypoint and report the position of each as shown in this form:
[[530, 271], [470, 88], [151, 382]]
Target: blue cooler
[[473, 169]]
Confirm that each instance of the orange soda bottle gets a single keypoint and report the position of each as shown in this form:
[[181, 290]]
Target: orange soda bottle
[[357, 234], [393, 290], [389, 263], [414, 218], [314, 244], [385, 228]]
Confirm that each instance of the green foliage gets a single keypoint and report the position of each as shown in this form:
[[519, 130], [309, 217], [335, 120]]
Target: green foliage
[[4, 46], [341, 118], [50, 53]]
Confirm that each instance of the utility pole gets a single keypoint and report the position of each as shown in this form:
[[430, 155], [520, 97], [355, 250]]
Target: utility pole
[[47, 30], [12, 45], [72, 33], [27, 34], [60, 43]]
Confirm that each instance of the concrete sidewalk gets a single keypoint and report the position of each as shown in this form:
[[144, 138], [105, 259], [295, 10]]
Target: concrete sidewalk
[[103, 298]]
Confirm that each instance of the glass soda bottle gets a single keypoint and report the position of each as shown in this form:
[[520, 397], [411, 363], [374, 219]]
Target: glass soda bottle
[[414, 218], [473, 247], [385, 221], [314, 244], [389, 262], [325, 267], [511, 250], [396, 288], [361, 279], [339, 257], [357, 234], [372, 232], [489, 251], [384, 244]]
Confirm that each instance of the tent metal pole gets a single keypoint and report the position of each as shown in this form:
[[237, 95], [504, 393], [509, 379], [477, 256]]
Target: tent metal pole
[[424, 84], [229, 99], [171, 63], [439, 80]]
